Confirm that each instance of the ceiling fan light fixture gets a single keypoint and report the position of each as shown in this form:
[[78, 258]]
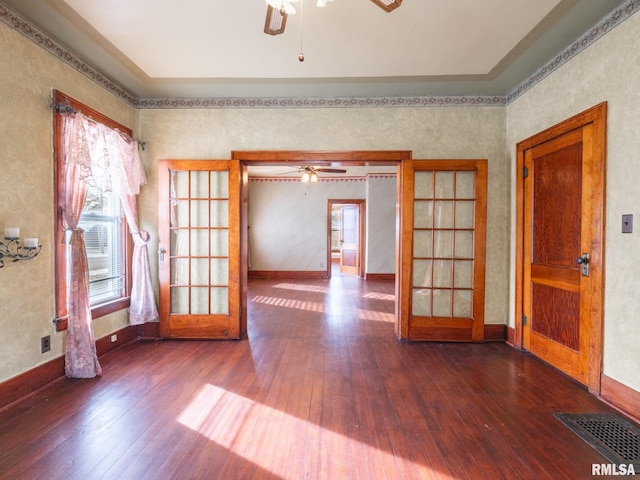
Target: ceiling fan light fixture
[[388, 5], [314, 177], [306, 177], [275, 22]]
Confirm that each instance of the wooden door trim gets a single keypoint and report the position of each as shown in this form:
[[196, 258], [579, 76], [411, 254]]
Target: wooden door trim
[[596, 117], [361, 233]]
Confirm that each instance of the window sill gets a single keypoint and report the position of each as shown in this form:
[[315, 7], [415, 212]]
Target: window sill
[[97, 311]]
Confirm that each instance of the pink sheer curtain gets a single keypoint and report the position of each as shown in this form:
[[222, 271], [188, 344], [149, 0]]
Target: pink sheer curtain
[[109, 160], [81, 360]]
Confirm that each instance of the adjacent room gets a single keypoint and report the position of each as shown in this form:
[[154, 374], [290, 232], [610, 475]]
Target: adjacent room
[[319, 239]]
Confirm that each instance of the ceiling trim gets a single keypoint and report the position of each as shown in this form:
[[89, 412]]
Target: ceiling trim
[[37, 36]]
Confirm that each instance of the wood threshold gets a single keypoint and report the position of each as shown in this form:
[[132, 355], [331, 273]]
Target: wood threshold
[[380, 277]]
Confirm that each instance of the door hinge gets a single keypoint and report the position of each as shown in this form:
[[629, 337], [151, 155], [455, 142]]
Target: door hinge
[[524, 319], [525, 172]]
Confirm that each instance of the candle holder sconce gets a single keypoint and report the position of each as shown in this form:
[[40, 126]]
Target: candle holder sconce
[[13, 250]]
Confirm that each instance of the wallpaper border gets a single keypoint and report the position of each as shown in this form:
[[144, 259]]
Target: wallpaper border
[[26, 28]]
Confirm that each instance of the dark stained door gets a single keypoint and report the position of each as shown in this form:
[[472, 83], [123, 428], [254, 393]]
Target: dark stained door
[[560, 248], [555, 301]]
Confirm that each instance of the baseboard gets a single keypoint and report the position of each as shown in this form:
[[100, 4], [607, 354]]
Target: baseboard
[[380, 277], [288, 274], [511, 336], [621, 397], [29, 382], [495, 333]]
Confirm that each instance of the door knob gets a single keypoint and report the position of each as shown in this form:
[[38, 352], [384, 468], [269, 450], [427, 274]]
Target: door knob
[[161, 252], [584, 262]]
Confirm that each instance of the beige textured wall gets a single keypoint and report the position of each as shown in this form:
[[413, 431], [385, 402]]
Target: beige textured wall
[[609, 70], [26, 194], [431, 132]]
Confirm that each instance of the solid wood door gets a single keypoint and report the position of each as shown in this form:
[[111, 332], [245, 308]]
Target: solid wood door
[[557, 214], [350, 239], [199, 249], [443, 249]]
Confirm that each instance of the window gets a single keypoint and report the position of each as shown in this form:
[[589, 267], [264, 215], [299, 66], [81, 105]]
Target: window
[[106, 235]]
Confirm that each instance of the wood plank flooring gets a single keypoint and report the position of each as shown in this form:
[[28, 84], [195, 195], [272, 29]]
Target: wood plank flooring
[[320, 390]]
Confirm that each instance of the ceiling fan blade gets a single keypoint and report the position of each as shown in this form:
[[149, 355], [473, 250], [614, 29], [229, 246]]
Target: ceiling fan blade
[[331, 170]]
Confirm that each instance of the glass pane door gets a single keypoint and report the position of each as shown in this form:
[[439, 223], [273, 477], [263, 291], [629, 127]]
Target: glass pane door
[[200, 225]]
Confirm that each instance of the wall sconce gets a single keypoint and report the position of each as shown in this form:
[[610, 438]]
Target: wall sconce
[[11, 248]]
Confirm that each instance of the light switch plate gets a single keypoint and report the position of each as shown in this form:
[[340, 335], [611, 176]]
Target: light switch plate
[[627, 223]]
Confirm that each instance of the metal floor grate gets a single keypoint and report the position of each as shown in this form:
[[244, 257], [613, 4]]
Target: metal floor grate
[[615, 438]]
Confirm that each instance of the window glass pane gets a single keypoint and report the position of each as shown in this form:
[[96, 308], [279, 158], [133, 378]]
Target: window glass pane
[[423, 243], [442, 273], [199, 213], [444, 185], [423, 214], [180, 184], [423, 185], [443, 215], [463, 274], [443, 244], [421, 302], [462, 303], [442, 303], [219, 184], [219, 271], [464, 214], [465, 184], [199, 300], [464, 244], [422, 273], [180, 271], [220, 300], [199, 184], [105, 245], [180, 300], [219, 213], [219, 243], [200, 243]]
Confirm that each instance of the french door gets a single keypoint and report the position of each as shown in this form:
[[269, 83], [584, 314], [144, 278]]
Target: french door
[[199, 249], [443, 250]]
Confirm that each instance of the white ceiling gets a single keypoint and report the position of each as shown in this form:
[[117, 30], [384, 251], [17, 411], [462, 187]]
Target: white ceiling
[[217, 48]]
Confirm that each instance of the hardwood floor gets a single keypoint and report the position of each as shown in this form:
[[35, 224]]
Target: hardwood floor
[[320, 390]]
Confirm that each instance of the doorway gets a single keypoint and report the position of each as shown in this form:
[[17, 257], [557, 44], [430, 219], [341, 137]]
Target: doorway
[[346, 245], [559, 250]]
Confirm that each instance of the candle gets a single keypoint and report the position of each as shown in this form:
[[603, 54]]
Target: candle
[[11, 232], [30, 242]]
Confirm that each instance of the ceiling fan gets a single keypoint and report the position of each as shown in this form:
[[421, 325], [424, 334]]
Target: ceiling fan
[[279, 10], [310, 174]]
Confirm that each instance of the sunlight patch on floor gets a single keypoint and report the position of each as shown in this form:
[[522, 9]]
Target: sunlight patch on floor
[[380, 296], [290, 303], [301, 287], [263, 436]]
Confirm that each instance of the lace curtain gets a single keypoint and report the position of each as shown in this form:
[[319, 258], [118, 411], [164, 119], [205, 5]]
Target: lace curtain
[[97, 155]]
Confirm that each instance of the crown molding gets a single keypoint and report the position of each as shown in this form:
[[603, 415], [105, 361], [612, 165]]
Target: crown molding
[[40, 38]]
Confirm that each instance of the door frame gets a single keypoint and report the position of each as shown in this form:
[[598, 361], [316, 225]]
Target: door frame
[[325, 158], [361, 204], [595, 116]]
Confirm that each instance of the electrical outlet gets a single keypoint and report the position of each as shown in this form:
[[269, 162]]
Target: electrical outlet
[[627, 223], [45, 344], [114, 338]]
